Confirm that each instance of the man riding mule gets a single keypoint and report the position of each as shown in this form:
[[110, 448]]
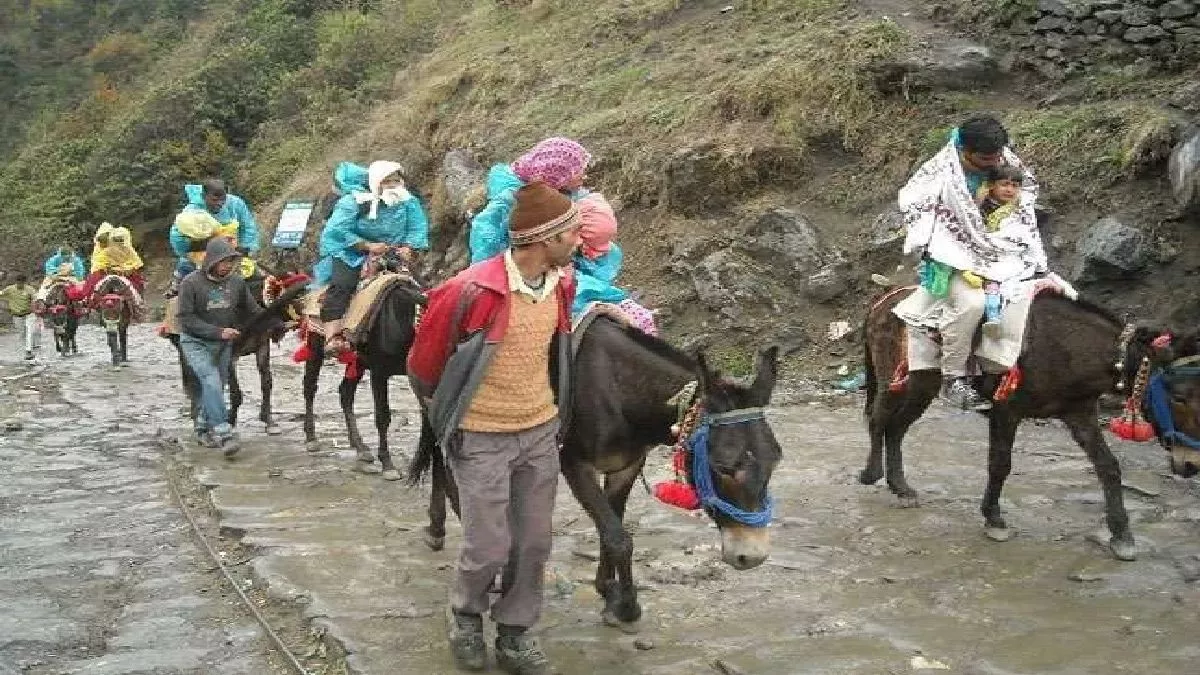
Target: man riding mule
[[1165, 383], [211, 211], [961, 252], [375, 215]]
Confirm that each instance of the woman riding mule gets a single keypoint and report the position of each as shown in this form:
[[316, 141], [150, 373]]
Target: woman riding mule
[[374, 215], [562, 164], [113, 253]]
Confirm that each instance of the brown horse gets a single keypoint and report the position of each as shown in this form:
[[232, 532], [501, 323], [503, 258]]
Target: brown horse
[[620, 409], [1074, 352]]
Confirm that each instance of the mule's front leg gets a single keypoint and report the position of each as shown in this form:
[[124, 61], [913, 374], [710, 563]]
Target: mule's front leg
[[383, 422], [1086, 432], [312, 374], [235, 392], [1002, 430], [262, 359], [346, 391], [621, 607]]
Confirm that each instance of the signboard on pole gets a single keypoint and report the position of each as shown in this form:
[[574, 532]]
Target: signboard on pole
[[293, 223]]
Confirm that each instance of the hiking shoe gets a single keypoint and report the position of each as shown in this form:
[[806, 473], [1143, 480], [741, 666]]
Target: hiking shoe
[[521, 655], [28, 356], [205, 439], [229, 447], [959, 393], [466, 641]]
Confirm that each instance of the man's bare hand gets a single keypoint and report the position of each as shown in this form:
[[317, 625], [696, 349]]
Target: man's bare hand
[[230, 333]]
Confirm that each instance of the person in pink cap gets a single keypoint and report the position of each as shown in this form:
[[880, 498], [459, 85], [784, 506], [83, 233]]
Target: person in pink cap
[[562, 164]]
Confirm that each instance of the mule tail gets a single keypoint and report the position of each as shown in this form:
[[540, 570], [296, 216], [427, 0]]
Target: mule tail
[[872, 380], [264, 320], [426, 455]]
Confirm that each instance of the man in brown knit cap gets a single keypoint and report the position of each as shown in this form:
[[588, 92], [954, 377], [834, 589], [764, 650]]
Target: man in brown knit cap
[[491, 363]]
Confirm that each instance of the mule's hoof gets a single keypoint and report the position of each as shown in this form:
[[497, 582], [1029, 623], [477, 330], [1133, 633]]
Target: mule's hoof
[[313, 446], [998, 533], [868, 478], [626, 627], [391, 474], [434, 543], [274, 430], [1123, 549], [368, 468]]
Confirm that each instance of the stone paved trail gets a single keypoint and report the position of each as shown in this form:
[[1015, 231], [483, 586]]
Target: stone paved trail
[[99, 573], [854, 584]]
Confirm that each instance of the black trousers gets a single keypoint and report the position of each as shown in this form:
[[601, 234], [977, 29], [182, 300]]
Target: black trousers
[[341, 288]]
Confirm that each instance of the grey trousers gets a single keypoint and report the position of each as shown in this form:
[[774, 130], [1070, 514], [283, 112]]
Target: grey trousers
[[506, 486]]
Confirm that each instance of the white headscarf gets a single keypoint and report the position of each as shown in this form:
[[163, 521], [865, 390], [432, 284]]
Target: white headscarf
[[379, 170]]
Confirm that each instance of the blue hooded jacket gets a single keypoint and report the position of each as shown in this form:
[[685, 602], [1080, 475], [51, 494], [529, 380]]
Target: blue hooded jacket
[[595, 279], [55, 261], [403, 224], [234, 209]]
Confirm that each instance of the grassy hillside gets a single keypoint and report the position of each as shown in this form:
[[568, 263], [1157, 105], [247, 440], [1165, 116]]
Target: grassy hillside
[[700, 118]]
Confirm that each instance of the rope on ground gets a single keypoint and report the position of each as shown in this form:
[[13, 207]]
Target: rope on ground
[[274, 637]]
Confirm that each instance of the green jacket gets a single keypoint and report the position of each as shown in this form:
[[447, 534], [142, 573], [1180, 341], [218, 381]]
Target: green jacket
[[19, 299]]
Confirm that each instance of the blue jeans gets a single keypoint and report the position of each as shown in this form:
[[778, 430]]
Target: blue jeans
[[210, 360]]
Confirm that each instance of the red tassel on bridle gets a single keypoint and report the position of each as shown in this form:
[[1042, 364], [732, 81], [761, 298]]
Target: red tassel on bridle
[[304, 352], [679, 492], [1131, 426]]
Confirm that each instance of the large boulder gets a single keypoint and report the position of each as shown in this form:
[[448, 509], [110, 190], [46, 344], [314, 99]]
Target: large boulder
[[462, 176], [1111, 250], [1185, 173], [722, 280], [784, 239], [954, 65]]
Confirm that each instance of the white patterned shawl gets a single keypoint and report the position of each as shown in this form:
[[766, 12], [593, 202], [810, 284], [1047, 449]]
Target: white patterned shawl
[[943, 220]]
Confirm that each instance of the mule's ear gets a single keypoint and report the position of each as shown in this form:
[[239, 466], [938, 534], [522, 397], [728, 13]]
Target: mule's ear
[[766, 371]]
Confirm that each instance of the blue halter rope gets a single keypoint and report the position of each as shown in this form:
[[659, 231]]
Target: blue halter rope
[[702, 473], [1158, 401]]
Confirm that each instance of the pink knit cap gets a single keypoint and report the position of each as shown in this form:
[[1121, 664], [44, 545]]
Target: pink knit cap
[[556, 161], [598, 226]]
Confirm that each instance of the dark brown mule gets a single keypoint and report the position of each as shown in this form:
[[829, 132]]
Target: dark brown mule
[[63, 313], [1071, 355], [266, 326], [620, 411], [385, 356], [113, 299]]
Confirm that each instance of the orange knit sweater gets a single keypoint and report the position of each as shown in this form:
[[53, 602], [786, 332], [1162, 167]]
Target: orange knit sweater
[[515, 394]]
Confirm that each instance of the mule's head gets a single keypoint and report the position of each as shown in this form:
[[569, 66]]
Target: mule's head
[[58, 308], [742, 453]]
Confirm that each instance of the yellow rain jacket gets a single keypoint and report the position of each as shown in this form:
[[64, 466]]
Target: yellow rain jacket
[[200, 226], [118, 255]]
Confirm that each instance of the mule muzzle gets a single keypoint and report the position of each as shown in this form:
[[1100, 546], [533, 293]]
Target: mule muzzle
[[744, 548]]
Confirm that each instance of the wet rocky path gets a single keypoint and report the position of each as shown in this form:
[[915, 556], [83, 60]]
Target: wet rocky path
[[99, 574], [854, 584]]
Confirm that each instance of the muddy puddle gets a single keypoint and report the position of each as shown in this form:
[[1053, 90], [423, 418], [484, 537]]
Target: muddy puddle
[[854, 583]]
